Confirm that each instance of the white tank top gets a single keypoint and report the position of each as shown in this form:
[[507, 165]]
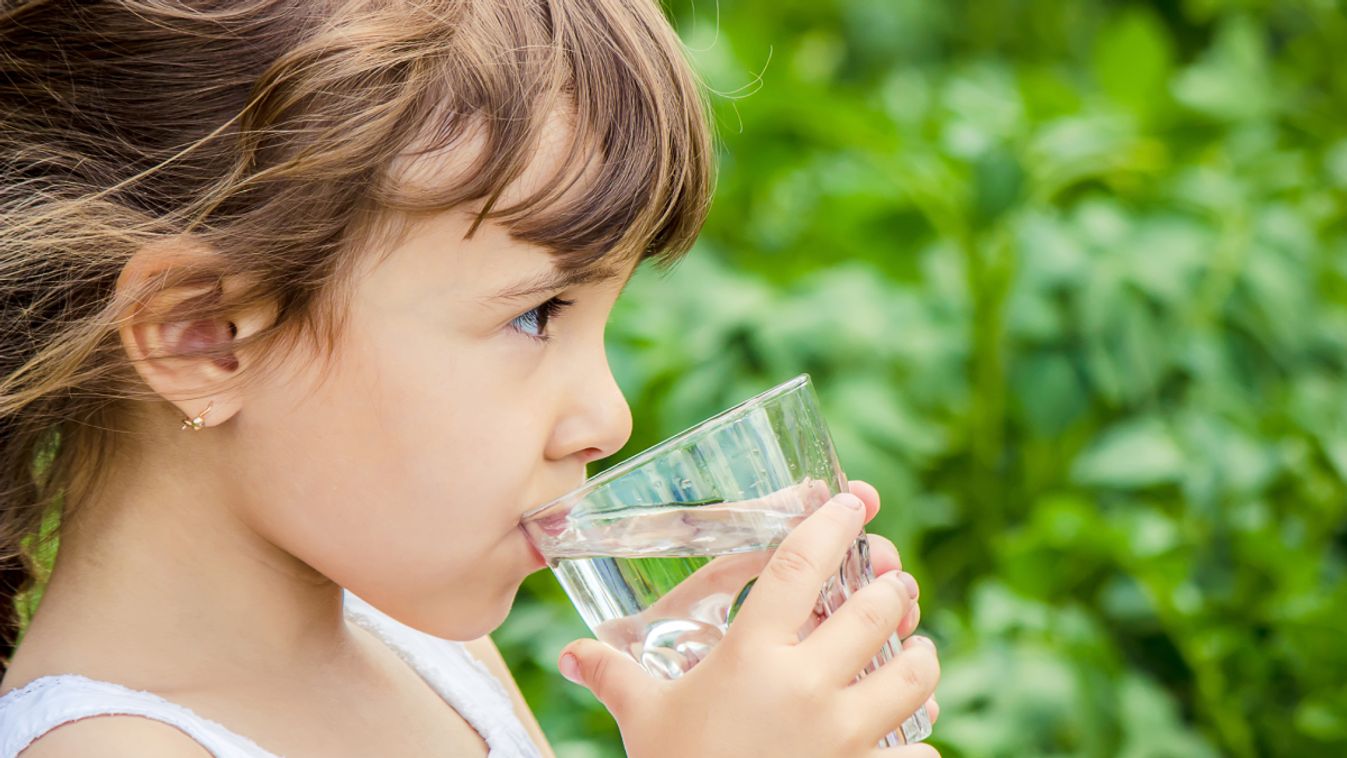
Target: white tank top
[[47, 702]]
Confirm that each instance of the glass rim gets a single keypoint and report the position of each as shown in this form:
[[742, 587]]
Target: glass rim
[[643, 457]]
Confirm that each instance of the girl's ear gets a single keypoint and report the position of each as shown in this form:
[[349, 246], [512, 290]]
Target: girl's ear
[[184, 357]]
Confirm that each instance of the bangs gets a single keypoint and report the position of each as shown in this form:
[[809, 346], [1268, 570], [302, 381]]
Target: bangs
[[577, 125]]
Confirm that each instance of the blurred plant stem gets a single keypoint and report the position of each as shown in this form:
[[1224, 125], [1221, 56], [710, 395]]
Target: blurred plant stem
[[990, 268]]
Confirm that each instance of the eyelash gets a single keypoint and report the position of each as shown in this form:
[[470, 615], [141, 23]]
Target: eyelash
[[545, 313]]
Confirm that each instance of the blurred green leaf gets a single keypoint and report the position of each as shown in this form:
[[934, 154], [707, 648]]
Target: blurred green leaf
[[1133, 58], [1231, 80], [1136, 453], [1071, 280]]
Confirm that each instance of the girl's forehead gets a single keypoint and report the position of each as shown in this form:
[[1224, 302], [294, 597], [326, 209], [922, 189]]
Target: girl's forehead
[[434, 254], [559, 173], [555, 161], [525, 287], [616, 163]]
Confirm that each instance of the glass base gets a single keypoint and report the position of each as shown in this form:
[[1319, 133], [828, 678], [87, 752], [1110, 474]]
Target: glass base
[[854, 573], [915, 729]]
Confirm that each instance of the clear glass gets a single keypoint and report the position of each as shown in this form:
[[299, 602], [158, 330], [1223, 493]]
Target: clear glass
[[659, 552]]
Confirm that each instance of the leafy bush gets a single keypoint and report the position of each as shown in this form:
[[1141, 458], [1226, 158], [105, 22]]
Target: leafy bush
[[1070, 280]]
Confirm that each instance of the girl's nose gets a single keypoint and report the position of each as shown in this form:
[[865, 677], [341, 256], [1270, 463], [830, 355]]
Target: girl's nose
[[597, 420]]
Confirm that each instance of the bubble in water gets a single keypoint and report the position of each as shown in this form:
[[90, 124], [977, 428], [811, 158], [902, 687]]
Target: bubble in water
[[713, 609], [663, 662], [674, 646]]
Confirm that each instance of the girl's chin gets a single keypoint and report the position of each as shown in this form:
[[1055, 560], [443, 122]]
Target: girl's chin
[[535, 558]]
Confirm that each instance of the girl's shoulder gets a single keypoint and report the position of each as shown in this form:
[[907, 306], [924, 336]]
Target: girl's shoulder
[[116, 737], [73, 714], [470, 676]]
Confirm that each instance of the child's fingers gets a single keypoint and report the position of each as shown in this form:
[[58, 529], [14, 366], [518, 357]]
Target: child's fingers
[[725, 574], [902, 685], [851, 637], [614, 677], [788, 588], [883, 554], [910, 621], [868, 495], [919, 750]]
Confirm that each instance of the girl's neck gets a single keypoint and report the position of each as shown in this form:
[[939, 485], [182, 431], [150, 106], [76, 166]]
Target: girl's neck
[[158, 580]]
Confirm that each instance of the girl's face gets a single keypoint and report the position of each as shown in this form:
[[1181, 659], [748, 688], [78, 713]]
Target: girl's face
[[450, 409]]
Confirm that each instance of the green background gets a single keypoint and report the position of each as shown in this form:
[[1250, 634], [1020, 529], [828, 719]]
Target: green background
[[1071, 280]]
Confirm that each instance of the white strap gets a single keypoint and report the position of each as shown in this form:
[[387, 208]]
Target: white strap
[[462, 680], [50, 701]]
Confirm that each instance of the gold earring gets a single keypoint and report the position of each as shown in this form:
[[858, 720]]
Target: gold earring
[[196, 424]]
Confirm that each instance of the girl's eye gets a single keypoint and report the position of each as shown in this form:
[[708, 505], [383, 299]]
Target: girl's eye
[[533, 324]]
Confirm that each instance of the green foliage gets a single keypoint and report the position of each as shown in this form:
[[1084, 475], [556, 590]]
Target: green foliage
[[1070, 279]]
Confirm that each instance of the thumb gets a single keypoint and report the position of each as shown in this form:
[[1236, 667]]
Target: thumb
[[613, 677]]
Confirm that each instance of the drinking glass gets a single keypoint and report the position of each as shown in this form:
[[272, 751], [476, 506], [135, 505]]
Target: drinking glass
[[659, 552]]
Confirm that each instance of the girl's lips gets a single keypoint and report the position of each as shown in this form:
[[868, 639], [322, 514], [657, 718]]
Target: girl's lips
[[538, 558], [553, 524]]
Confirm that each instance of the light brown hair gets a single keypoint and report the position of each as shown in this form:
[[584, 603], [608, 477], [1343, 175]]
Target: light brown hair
[[266, 130]]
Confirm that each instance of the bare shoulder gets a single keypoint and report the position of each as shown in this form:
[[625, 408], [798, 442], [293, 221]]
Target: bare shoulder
[[484, 649], [119, 736]]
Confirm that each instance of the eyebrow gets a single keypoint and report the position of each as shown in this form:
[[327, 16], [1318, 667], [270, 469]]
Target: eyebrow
[[553, 280]]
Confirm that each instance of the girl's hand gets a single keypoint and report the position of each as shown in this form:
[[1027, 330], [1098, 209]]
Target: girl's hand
[[762, 691], [884, 558]]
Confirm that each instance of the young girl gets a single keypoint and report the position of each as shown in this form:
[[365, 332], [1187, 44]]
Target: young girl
[[301, 306]]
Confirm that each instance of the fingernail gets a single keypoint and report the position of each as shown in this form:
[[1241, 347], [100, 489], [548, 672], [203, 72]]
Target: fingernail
[[570, 668], [851, 501], [910, 619], [911, 583], [927, 641]]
